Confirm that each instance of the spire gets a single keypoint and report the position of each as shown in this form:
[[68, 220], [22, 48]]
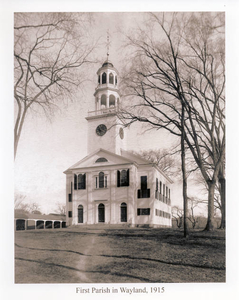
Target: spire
[[108, 44], [107, 62]]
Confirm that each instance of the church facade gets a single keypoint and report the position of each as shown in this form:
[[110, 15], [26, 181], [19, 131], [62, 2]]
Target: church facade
[[111, 185]]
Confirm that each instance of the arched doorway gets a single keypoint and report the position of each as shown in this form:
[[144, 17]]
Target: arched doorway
[[123, 212], [20, 224], [80, 214], [101, 213], [40, 224]]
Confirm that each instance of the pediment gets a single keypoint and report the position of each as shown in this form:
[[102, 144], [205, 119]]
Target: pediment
[[100, 157]]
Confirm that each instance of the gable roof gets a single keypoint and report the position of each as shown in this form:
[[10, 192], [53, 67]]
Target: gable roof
[[90, 160]]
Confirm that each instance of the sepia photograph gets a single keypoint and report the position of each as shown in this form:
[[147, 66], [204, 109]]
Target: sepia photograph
[[124, 115], [119, 152]]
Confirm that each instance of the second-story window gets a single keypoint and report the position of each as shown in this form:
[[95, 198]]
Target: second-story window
[[143, 182], [122, 178], [101, 181], [79, 182], [144, 192]]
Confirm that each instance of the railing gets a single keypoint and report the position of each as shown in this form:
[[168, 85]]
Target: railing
[[144, 193], [102, 111]]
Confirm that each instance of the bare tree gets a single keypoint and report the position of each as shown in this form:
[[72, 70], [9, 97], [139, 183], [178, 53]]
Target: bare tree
[[218, 197], [177, 73], [193, 203], [19, 202], [50, 50], [164, 159], [61, 209], [177, 215]]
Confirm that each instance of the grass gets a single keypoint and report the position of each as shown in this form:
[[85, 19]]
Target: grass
[[84, 255]]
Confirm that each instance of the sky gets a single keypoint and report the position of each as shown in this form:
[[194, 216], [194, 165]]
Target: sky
[[48, 147]]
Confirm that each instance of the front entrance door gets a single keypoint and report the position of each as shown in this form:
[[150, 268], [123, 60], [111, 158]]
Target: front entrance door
[[80, 214], [123, 209], [101, 213]]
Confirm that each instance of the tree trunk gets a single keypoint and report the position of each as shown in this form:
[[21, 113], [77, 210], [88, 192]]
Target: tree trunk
[[222, 182], [18, 131], [210, 219], [185, 198]]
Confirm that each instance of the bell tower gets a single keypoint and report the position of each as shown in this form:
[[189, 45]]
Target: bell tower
[[104, 127]]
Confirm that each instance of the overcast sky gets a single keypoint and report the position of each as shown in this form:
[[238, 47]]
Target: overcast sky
[[49, 147]]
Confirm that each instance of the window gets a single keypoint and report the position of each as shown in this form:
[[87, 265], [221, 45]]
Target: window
[[143, 192], [101, 159], [81, 182], [160, 187], [112, 100], [103, 78], [103, 101], [70, 214], [123, 178], [111, 78], [143, 211], [70, 194], [143, 182], [157, 184], [163, 214], [101, 181]]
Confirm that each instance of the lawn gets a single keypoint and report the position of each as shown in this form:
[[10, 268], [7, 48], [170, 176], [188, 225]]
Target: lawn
[[91, 255]]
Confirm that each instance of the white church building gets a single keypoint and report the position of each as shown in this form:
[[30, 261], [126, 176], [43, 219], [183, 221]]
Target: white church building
[[111, 185]]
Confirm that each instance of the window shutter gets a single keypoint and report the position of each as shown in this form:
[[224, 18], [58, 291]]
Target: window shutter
[[118, 178], [75, 182], [84, 177], [105, 181], [128, 177]]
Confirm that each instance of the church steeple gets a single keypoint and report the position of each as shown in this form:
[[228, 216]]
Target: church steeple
[[106, 93], [104, 128]]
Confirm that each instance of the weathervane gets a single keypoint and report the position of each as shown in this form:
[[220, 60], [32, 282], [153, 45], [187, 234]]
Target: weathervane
[[108, 44]]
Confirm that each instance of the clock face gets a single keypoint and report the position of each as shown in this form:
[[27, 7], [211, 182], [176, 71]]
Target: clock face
[[101, 129], [121, 133]]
